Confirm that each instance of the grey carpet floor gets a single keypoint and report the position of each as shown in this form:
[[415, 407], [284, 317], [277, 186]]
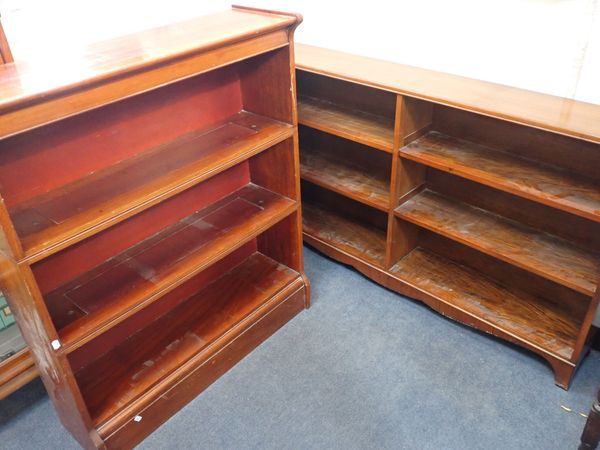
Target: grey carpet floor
[[362, 369]]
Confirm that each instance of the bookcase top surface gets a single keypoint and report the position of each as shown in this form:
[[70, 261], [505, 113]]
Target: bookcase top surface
[[560, 115], [33, 81]]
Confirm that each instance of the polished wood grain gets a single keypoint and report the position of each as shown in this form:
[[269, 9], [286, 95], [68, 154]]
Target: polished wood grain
[[152, 354], [528, 318], [16, 371], [109, 293], [547, 112], [344, 172], [26, 82], [359, 126], [533, 250], [157, 161], [501, 170], [51, 221], [350, 235], [497, 181], [123, 431]]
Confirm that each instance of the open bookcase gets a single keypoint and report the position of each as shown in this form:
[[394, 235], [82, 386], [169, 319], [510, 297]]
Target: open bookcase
[[480, 200], [150, 216]]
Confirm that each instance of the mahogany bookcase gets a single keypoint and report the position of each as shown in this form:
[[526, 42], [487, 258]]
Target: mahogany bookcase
[[151, 229], [480, 200]]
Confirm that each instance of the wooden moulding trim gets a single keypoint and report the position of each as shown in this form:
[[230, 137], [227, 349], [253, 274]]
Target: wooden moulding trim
[[127, 413], [146, 202], [483, 92], [16, 371], [71, 101], [395, 283]]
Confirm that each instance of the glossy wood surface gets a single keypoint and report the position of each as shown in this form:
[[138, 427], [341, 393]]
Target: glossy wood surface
[[146, 357], [198, 373], [159, 167], [105, 197], [25, 81], [109, 293], [358, 126], [529, 318], [479, 179], [504, 171], [560, 115], [533, 250]]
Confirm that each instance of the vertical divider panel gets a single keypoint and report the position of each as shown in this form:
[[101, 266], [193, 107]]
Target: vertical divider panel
[[391, 246], [413, 118]]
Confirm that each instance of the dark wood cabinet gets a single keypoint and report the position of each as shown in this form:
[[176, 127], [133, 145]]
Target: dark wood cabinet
[[151, 228], [480, 200]]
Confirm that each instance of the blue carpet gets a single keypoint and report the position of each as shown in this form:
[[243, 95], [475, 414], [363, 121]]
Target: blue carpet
[[362, 369]]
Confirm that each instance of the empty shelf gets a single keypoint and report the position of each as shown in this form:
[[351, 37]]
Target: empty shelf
[[155, 352], [359, 126], [538, 252], [66, 215], [106, 295], [507, 172], [345, 178], [344, 233], [529, 319]]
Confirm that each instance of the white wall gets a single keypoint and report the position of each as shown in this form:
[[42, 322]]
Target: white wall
[[550, 46]]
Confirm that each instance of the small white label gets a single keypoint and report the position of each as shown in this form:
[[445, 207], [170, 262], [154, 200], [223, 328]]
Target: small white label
[[137, 419], [55, 344]]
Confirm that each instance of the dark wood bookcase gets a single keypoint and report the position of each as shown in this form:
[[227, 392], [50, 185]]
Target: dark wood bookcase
[[151, 229], [480, 200]]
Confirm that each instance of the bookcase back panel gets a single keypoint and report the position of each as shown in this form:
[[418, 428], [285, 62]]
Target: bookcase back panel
[[52, 156]]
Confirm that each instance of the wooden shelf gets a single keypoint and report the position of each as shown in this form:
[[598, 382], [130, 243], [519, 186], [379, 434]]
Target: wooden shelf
[[536, 251], [106, 295], [501, 170], [529, 319], [351, 236], [345, 178], [358, 126], [188, 331], [64, 216]]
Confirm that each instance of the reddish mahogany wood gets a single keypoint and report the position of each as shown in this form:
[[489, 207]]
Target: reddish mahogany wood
[[107, 196], [125, 432], [150, 179], [159, 349], [128, 281], [78, 259]]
